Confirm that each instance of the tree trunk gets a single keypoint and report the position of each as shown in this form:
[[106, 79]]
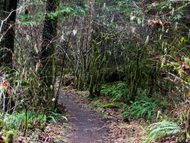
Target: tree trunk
[[8, 40], [7, 34], [48, 52], [2, 16]]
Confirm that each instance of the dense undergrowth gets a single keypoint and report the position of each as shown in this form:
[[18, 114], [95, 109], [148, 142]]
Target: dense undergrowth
[[161, 116], [143, 45]]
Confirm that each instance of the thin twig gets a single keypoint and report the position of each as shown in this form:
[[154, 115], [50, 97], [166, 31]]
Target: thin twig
[[3, 105]]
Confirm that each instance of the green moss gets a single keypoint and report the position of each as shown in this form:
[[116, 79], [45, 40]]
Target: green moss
[[10, 137], [110, 105], [98, 110], [176, 64]]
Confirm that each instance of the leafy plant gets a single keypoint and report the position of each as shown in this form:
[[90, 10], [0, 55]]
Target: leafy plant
[[161, 129], [15, 120], [142, 107], [54, 115], [118, 91]]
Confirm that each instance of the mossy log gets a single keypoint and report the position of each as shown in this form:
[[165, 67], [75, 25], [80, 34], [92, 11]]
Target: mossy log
[[10, 137], [110, 105]]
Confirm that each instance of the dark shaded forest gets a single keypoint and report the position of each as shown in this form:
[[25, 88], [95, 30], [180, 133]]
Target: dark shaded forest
[[126, 59]]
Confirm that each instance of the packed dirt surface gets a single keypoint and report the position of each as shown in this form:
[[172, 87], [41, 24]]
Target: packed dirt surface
[[87, 125]]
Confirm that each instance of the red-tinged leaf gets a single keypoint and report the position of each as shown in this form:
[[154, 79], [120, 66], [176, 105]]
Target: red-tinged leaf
[[178, 59], [167, 24], [135, 37], [2, 140], [126, 120], [40, 65], [188, 95], [158, 23], [9, 92], [152, 23], [14, 57], [5, 84], [181, 64], [159, 1]]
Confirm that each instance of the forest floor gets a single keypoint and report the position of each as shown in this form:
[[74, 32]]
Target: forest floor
[[98, 125], [87, 125], [89, 122]]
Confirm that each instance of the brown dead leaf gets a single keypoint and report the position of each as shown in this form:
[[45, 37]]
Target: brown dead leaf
[[5, 84], [14, 57], [2, 140], [126, 120]]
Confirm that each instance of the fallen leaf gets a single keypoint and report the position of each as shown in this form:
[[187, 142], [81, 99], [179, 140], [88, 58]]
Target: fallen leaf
[[126, 120], [188, 95], [14, 57]]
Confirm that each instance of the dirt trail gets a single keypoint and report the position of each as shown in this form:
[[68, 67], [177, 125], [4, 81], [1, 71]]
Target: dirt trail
[[87, 125]]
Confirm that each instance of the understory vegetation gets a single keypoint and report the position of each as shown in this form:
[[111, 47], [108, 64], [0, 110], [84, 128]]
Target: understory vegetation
[[129, 57]]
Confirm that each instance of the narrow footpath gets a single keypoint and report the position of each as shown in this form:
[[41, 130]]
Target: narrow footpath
[[87, 125]]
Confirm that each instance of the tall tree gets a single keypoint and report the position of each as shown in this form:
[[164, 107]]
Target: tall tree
[[47, 56], [9, 6], [7, 35]]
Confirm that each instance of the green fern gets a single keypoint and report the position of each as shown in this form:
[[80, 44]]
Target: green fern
[[54, 115], [160, 129], [142, 107]]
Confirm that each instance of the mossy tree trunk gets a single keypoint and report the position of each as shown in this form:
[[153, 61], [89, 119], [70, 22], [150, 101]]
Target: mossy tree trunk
[[84, 53], [95, 66], [47, 56]]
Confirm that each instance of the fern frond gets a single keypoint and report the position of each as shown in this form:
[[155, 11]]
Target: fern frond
[[160, 129]]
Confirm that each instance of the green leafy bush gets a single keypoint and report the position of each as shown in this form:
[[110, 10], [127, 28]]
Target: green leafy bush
[[54, 115], [13, 121], [117, 91], [161, 129], [143, 107]]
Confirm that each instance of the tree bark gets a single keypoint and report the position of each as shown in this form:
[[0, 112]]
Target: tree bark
[[47, 56], [8, 40]]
